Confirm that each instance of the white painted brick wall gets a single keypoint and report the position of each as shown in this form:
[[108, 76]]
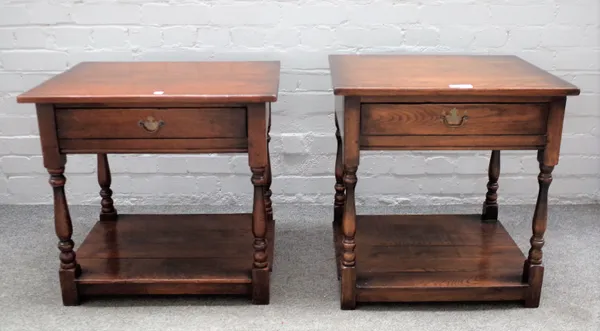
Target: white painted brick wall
[[41, 38]]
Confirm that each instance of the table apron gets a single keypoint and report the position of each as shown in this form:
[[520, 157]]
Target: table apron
[[153, 146], [447, 142]]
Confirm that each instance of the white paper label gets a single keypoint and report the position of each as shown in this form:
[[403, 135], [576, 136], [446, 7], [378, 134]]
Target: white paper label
[[158, 92], [460, 86]]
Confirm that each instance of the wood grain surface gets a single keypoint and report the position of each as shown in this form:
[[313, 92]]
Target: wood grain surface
[[423, 75], [416, 119], [176, 123], [431, 254], [158, 82], [155, 249]]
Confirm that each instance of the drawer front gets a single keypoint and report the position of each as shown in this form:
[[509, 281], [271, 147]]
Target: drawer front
[[453, 119], [151, 123]]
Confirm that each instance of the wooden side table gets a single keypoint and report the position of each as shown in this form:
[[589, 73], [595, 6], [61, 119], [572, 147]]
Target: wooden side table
[[441, 103], [160, 107]]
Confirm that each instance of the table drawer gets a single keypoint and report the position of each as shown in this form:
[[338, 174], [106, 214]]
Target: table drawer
[[453, 119], [151, 123]]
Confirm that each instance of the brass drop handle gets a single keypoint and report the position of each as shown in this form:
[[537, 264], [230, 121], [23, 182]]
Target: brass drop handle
[[452, 120], [151, 125]]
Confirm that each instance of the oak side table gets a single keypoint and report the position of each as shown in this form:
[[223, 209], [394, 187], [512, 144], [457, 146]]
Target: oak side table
[[161, 107], [394, 102]]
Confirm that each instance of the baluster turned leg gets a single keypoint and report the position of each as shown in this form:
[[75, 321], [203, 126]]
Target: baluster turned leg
[[348, 270], [258, 159], [490, 205], [69, 269], [338, 208], [260, 270], [351, 151], [533, 272], [108, 212], [268, 203]]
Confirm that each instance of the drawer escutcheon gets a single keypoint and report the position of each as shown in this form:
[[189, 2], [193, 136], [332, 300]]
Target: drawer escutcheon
[[151, 125], [452, 119]]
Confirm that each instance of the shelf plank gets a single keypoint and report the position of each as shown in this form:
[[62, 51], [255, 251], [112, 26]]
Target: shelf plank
[[440, 294], [144, 253], [174, 270], [481, 278], [436, 258], [163, 289]]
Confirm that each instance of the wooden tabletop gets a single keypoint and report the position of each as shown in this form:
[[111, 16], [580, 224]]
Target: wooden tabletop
[[400, 75], [203, 82]]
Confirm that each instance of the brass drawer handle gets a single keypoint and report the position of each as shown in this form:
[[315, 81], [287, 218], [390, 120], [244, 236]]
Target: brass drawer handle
[[452, 120], [151, 125]]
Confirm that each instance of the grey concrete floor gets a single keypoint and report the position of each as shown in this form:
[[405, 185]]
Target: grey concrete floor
[[304, 289]]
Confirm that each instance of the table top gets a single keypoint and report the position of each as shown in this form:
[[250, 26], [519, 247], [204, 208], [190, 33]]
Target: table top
[[417, 75], [202, 82]]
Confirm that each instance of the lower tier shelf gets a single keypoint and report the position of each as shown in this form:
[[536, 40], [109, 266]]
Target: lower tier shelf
[[436, 258], [168, 254]]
